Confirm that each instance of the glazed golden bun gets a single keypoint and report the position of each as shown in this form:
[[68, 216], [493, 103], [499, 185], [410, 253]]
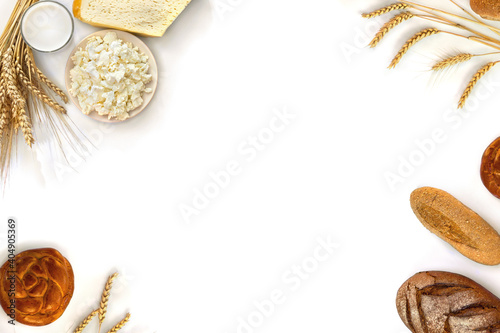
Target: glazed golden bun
[[42, 285]]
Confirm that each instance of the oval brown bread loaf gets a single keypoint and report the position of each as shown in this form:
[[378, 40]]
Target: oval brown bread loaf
[[40, 286], [456, 224], [443, 302], [487, 9]]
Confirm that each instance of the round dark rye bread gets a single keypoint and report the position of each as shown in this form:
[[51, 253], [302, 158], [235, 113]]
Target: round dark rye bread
[[443, 302]]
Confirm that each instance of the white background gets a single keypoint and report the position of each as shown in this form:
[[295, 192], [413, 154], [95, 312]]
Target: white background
[[223, 77]]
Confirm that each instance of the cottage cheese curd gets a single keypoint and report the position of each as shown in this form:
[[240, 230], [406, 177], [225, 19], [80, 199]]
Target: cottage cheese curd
[[109, 76]]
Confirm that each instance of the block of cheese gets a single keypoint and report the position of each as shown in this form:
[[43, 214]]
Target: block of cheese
[[144, 17]]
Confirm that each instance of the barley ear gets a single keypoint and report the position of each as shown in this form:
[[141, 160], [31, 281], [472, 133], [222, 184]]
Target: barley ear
[[85, 322], [472, 83], [105, 298], [410, 42], [390, 8], [120, 325], [389, 25]]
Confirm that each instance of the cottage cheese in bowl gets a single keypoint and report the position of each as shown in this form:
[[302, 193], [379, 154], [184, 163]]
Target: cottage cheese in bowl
[[109, 76]]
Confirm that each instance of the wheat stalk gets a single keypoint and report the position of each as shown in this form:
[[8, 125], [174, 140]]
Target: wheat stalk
[[28, 56], [120, 325], [4, 112], [451, 61], [23, 89], [37, 92], [412, 41], [389, 25], [20, 116], [105, 298], [85, 322], [4, 119], [8, 76], [387, 9], [472, 83]]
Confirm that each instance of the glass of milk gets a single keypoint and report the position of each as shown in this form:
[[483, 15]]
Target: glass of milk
[[47, 26]]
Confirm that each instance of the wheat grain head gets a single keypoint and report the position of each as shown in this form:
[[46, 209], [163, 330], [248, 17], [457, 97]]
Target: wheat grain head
[[30, 62], [85, 322], [472, 83], [412, 41], [105, 298], [387, 9], [389, 25], [451, 61], [120, 325]]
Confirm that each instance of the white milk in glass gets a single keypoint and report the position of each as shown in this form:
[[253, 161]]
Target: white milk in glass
[[47, 26]]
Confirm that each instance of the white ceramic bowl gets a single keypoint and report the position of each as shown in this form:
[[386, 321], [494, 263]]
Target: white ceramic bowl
[[153, 70]]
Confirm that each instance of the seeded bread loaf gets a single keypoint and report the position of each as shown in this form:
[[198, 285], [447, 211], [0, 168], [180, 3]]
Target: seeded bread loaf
[[456, 224], [144, 17]]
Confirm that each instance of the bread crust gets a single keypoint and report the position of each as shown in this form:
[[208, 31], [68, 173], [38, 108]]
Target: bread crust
[[44, 285], [77, 9], [487, 9], [456, 224], [490, 168], [437, 302]]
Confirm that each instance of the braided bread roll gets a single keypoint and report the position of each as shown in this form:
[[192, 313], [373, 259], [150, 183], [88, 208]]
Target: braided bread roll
[[41, 286]]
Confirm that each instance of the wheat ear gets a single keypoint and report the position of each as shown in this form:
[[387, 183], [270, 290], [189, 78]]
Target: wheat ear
[[37, 92], [10, 80], [18, 102], [28, 57], [389, 25], [4, 111], [472, 83], [412, 41], [85, 322], [390, 8], [451, 61], [105, 298], [120, 325], [4, 119]]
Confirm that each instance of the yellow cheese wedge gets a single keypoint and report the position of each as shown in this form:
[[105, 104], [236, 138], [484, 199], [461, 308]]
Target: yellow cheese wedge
[[144, 17]]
